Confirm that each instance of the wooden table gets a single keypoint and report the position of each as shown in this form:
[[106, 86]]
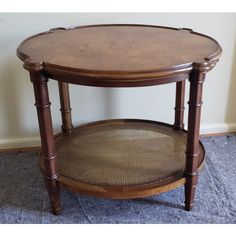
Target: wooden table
[[123, 158]]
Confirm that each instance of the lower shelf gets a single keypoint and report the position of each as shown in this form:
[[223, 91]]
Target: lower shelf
[[123, 158]]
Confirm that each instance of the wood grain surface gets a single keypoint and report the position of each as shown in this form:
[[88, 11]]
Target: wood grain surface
[[118, 52]]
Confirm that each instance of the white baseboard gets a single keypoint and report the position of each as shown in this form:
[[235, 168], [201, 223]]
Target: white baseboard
[[218, 128], [20, 142], [35, 141]]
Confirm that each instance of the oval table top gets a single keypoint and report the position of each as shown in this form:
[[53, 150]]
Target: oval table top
[[118, 54]]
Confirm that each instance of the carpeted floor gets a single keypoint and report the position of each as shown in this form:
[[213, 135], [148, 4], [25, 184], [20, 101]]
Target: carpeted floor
[[23, 198]]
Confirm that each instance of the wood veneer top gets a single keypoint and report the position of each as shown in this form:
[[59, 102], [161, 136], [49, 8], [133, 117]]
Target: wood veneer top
[[122, 50]]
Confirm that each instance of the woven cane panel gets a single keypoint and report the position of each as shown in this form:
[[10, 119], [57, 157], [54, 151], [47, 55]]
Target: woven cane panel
[[121, 154]]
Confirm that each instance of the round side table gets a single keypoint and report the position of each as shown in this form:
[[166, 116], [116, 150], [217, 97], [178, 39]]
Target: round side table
[[121, 158]]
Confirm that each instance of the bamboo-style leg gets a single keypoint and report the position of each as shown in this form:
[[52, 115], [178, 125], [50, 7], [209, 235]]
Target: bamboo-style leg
[[192, 152], [65, 107], [179, 105], [47, 139]]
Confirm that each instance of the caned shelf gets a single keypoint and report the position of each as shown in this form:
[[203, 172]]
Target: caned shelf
[[123, 158]]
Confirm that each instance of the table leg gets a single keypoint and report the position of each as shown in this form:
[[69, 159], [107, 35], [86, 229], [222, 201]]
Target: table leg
[[47, 139], [179, 105], [65, 107], [192, 152]]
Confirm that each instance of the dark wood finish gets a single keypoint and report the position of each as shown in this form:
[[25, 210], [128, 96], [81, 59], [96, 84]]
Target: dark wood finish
[[197, 78], [65, 107], [170, 178], [119, 56], [47, 139], [179, 105]]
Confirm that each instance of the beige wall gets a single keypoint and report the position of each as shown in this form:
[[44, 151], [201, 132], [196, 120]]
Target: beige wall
[[18, 122]]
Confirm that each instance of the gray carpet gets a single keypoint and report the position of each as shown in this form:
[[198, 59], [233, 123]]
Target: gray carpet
[[23, 198]]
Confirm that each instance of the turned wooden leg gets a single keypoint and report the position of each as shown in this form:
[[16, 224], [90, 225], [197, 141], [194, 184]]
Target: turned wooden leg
[[65, 107], [192, 152], [47, 139], [179, 105]]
